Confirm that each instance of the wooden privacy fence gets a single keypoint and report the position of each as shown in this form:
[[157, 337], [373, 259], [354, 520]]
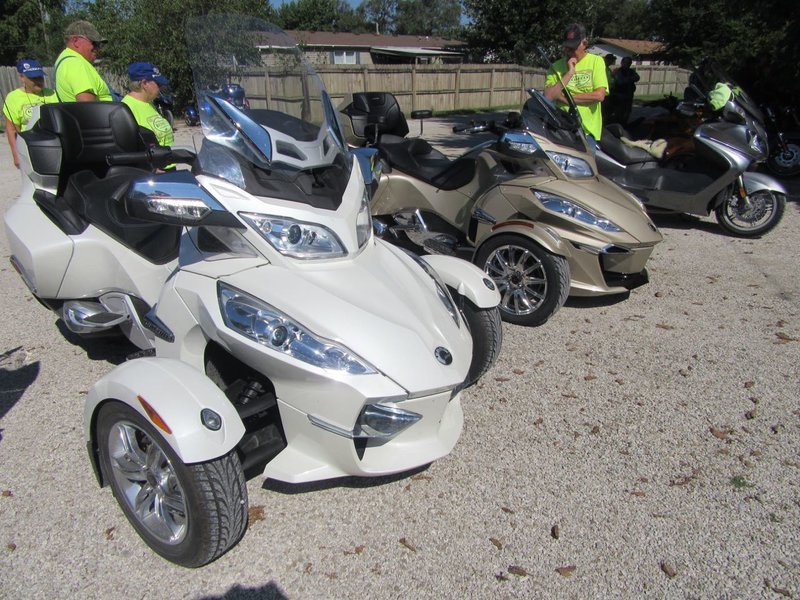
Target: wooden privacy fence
[[437, 87]]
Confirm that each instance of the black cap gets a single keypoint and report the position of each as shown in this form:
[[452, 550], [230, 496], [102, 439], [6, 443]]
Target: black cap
[[574, 35]]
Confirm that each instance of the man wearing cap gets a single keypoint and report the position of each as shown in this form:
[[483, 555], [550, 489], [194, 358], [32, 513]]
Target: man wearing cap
[[584, 75], [145, 86], [19, 103], [76, 78]]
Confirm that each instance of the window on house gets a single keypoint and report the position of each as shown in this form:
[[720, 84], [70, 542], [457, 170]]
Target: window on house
[[345, 57]]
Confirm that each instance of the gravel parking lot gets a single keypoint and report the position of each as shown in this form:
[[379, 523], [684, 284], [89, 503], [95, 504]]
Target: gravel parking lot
[[646, 446]]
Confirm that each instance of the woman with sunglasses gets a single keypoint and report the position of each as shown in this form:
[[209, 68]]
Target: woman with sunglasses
[[76, 79]]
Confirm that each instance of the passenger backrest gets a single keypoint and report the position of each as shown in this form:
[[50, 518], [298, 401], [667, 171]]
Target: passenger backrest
[[380, 104], [88, 132]]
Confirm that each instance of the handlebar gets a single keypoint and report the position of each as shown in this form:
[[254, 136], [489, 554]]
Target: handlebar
[[474, 127], [157, 156]]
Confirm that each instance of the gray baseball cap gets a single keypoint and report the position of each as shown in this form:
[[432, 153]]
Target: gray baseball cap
[[84, 29]]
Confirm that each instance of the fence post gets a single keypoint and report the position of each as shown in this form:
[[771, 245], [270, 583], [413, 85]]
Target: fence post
[[457, 98], [267, 93], [414, 86], [491, 88]]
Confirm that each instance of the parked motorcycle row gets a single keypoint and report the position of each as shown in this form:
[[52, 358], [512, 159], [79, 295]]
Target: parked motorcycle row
[[306, 310]]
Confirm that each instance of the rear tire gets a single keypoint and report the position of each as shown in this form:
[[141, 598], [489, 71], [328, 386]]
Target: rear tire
[[762, 212], [786, 164], [533, 283], [189, 514]]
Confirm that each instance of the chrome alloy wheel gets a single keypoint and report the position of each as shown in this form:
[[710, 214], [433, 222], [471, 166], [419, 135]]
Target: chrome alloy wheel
[[148, 482], [520, 278]]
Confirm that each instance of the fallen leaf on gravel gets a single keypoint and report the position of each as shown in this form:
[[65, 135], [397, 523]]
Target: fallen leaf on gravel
[[665, 326], [783, 338], [749, 384], [668, 569], [408, 544], [555, 531], [497, 543], [11, 546], [658, 294], [638, 493], [569, 395], [421, 477], [110, 533], [502, 379], [595, 430], [518, 571], [538, 363], [518, 371], [505, 509], [357, 550], [686, 479], [619, 381], [783, 592], [7, 493], [566, 571], [538, 421], [255, 514], [589, 377], [718, 433], [750, 414]]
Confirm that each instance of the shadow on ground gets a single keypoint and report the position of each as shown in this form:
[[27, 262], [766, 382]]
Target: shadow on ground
[[270, 591], [15, 377]]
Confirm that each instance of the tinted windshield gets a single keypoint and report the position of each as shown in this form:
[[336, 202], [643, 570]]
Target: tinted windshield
[[542, 117], [265, 114]]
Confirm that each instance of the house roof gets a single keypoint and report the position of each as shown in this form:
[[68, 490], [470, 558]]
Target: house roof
[[641, 47], [371, 40]]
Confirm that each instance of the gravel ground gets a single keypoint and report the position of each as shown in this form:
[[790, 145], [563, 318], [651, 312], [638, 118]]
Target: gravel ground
[[646, 446]]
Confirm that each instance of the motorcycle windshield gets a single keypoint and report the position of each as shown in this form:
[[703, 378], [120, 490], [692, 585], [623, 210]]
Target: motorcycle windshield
[[542, 117], [708, 74], [286, 140]]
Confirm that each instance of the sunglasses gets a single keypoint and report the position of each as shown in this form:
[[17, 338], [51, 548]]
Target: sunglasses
[[95, 45]]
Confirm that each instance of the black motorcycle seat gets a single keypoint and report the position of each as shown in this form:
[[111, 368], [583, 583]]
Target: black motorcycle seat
[[418, 158], [611, 144], [663, 180], [100, 201]]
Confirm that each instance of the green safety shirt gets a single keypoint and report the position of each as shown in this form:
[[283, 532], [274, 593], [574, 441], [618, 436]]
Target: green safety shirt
[[147, 116], [75, 75], [18, 106], [590, 74]]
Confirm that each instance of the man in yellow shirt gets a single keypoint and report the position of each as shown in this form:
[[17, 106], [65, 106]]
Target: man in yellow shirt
[[584, 75], [76, 79], [19, 103], [145, 86]]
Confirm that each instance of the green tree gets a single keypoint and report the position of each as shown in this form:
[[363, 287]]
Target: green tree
[[319, 15], [380, 13], [29, 28], [427, 17]]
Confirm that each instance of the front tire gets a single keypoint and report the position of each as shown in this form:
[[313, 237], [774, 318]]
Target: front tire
[[755, 215], [487, 338], [533, 283], [189, 514]]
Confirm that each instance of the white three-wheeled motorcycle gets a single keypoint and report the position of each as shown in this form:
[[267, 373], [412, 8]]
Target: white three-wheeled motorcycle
[[277, 335]]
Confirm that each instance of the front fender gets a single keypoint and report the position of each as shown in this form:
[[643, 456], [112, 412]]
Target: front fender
[[177, 392], [466, 278], [755, 182], [547, 237]]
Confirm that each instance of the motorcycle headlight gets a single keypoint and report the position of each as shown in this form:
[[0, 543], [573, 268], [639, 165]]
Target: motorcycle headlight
[[296, 238], [576, 211], [265, 324], [571, 165], [441, 288], [364, 221]]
